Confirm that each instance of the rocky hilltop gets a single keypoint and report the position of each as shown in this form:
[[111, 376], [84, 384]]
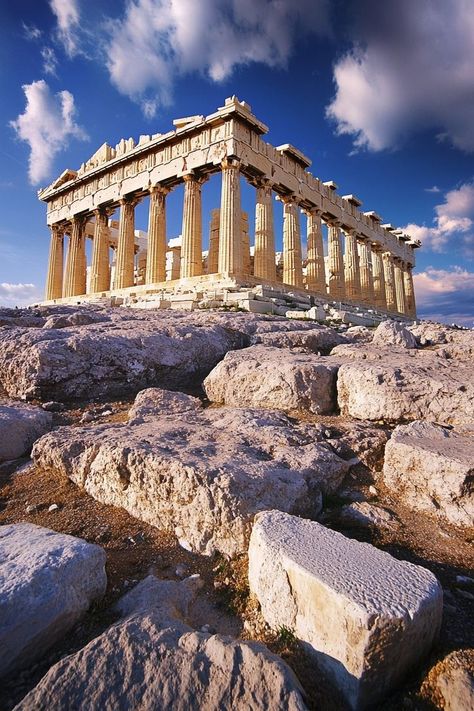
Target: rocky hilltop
[[224, 510]]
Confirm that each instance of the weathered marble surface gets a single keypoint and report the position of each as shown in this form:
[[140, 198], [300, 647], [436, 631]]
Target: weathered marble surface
[[20, 426]]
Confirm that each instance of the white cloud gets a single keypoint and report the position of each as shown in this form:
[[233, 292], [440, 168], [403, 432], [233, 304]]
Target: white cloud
[[446, 295], [410, 68], [31, 32], [453, 224], [158, 40], [50, 61], [46, 125], [433, 189], [68, 19], [12, 295]]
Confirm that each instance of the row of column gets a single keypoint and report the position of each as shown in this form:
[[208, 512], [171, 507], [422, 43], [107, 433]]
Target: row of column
[[358, 271]]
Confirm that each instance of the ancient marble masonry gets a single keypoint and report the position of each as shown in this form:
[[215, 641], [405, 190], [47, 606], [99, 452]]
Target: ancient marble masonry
[[368, 263]]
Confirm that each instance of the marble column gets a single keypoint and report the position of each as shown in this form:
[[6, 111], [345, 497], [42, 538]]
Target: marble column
[[409, 291], [75, 276], [335, 263], [399, 287], [125, 262], [351, 267], [292, 260], [315, 270], [264, 254], [230, 224], [213, 254], [100, 265], [54, 279], [191, 243], [156, 252], [366, 280], [246, 261], [389, 274], [378, 276]]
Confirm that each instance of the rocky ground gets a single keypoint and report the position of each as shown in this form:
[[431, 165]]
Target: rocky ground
[[367, 435]]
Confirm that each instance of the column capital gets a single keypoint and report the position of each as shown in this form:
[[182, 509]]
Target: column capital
[[195, 178], [57, 229], [158, 188], [261, 182], [230, 164], [132, 200], [78, 219], [333, 223], [313, 210], [288, 199], [102, 210]]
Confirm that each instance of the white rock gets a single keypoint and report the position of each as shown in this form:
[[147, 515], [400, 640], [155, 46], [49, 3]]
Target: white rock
[[20, 426], [364, 514], [152, 401], [276, 378], [393, 333], [431, 469], [366, 617], [152, 659], [319, 339], [454, 680], [204, 472], [47, 582]]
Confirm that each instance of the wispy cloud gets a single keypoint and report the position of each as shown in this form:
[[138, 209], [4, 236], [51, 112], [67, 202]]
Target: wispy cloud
[[47, 125], [446, 295], [410, 68], [12, 295], [68, 20], [30, 32], [433, 189], [50, 61]]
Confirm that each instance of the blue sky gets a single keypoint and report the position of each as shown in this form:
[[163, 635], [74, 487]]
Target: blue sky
[[379, 95]]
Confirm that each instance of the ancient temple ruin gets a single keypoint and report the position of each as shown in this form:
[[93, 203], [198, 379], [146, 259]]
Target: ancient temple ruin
[[368, 264]]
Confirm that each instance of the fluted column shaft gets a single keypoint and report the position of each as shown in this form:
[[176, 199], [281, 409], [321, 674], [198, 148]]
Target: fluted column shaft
[[230, 224], [264, 254], [378, 276], [366, 279], [246, 262], [75, 276], [409, 292], [191, 243], [125, 263], [156, 252], [351, 267], [54, 279], [315, 271], [399, 287], [213, 254], [335, 263], [292, 260], [100, 265], [389, 275]]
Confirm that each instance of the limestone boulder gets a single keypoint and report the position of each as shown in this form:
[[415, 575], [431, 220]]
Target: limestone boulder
[[123, 354], [396, 385], [47, 582], [318, 339], [152, 659], [152, 402], [431, 468], [20, 426], [200, 473], [452, 680], [455, 343], [261, 376], [393, 333], [76, 318], [365, 618]]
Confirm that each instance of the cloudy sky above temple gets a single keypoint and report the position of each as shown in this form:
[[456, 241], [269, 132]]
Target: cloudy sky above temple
[[380, 95]]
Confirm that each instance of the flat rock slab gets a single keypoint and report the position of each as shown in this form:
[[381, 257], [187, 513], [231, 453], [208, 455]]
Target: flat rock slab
[[20, 426], [318, 339], [261, 376], [366, 617], [47, 582], [151, 659], [431, 468], [398, 385], [200, 473]]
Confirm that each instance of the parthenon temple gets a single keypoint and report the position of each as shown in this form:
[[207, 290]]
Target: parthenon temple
[[347, 256]]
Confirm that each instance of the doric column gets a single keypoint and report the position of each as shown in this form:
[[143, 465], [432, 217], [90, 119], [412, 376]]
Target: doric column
[[100, 265], [75, 277], [315, 271], [54, 278], [125, 262], [191, 242], [264, 255], [335, 263], [378, 276], [230, 225], [389, 281], [399, 287], [156, 248], [246, 263], [409, 291], [213, 254], [351, 267], [366, 280], [292, 261]]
